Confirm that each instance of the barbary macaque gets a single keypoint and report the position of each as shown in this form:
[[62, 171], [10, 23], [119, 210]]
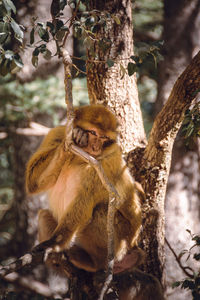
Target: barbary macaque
[[78, 201]]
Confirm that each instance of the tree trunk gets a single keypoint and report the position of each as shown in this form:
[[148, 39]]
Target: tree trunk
[[182, 40], [108, 85]]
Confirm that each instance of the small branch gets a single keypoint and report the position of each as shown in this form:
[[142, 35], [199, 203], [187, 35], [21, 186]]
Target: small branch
[[113, 195], [71, 23], [79, 70], [29, 259], [24, 283], [39, 255], [68, 96], [112, 205], [184, 269]]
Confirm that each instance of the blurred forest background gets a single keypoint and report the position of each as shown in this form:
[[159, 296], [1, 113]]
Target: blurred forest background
[[33, 100]]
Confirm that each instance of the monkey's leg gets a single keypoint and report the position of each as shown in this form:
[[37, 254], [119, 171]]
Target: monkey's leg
[[81, 259], [46, 225], [90, 251]]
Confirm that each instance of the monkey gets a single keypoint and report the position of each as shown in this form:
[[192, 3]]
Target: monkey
[[78, 202]]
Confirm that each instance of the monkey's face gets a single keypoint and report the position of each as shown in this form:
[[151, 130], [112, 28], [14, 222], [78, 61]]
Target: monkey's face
[[92, 140]]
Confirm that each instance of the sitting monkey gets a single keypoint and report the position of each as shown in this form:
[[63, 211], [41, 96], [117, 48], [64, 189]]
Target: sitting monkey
[[78, 201]]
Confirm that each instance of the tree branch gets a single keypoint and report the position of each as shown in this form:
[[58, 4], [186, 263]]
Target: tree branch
[[157, 159], [184, 269]]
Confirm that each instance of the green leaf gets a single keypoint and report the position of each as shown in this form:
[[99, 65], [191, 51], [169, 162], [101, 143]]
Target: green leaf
[[110, 63], [43, 33], [89, 21], [59, 24], [122, 71], [197, 239], [65, 28], [197, 256], [132, 68], [3, 37], [195, 93], [50, 25], [78, 32], [116, 19], [18, 60], [47, 54], [135, 58], [176, 284], [190, 130], [95, 28], [188, 284], [34, 61], [19, 35], [32, 37], [9, 6], [42, 48], [5, 33], [36, 51], [63, 3], [41, 24], [60, 34], [104, 45], [3, 68]]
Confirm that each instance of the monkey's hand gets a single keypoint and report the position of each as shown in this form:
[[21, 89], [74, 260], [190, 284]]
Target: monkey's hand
[[80, 137]]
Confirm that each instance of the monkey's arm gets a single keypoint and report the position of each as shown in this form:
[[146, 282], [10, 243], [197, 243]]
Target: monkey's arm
[[130, 202], [45, 165]]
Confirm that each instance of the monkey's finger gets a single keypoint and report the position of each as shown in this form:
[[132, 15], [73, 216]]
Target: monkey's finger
[[84, 140], [80, 137]]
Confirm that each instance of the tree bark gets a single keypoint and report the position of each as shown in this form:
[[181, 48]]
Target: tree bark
[[182, 40], [108, 85], [156, 161]]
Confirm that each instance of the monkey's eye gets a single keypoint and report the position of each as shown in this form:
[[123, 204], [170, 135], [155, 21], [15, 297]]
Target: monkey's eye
[[104, 137]]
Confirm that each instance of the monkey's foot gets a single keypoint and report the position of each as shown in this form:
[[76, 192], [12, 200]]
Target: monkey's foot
[[131, 260]]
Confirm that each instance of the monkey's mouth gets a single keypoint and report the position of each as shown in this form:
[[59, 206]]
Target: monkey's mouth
[[94, 148], [97, 146]]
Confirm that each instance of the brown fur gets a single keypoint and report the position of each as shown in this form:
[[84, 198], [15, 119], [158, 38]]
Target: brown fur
[[78, 201]]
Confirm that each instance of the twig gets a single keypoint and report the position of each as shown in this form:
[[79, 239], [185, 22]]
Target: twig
[[112, 205], [184, 269], [29, 259], [113, 195], [71, 23], [24, 283]]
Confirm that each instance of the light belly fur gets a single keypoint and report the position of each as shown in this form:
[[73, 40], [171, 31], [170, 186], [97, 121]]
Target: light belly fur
[[62, 194]]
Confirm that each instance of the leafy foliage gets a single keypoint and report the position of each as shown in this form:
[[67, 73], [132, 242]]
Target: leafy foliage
[[192, 283], [191, 124], [10, 31], [86, 25], [145, 53]]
